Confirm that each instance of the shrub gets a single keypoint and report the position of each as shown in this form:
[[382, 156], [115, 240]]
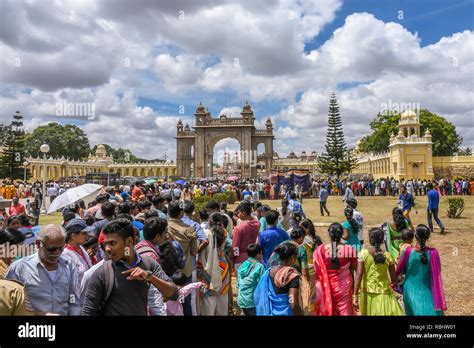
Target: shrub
[[200, 203], [231, 197], [220, 197], [455, 207]]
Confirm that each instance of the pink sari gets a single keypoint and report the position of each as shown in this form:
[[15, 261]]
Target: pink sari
[[333, 286]]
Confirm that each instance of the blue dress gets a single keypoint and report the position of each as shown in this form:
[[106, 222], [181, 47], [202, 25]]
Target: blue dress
[[353, 237], [417, 295]]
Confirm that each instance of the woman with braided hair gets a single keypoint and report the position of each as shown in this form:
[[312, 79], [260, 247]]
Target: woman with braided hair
[[351, 229], [423, 292], [333, 265], [373, 267], [394, 230]]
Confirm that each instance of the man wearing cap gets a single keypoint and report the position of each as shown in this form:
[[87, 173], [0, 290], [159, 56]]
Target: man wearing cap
[[50, 280], [76, 235]]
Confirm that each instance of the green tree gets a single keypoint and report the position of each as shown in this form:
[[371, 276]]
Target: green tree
[[64, 140], [13, 155], [3, 134], [337, 159], [446, 141]]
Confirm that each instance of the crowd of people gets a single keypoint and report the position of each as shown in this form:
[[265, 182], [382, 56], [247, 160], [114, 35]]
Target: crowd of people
[[263, 189], [391, 187], [144, 250]]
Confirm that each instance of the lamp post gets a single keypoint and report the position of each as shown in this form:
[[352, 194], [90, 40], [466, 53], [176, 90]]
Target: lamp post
[[24, 171], [209, 170], [44, 149], [168, 162]]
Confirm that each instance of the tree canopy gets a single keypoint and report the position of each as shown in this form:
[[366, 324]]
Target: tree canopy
[[64, 140], [446, 141], [13, 154]]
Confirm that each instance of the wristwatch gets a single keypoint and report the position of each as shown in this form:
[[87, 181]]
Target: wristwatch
[[149, 274]]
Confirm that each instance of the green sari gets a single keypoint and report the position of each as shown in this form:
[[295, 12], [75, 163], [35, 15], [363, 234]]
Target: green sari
[[394, 240]]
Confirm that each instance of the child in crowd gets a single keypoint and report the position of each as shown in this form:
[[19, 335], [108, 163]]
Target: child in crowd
[[248, 276]]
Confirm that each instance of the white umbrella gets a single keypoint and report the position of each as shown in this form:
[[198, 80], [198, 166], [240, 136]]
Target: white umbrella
[[86, 192]]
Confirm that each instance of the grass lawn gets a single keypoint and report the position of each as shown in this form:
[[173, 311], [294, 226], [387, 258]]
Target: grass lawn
[[456, 247]]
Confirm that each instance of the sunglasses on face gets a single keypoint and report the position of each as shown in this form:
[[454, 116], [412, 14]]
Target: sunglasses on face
[[52, 249]]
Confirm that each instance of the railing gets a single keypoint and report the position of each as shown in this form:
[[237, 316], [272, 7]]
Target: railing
[[410, 139], [228, 120], [263, 131], [187, 133]]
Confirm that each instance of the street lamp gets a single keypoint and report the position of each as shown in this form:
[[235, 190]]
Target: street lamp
[[168, 162], [209, 170], [44, 149], [24, 172]]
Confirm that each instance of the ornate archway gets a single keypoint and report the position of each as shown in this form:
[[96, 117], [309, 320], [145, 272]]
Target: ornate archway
[[196, 147]]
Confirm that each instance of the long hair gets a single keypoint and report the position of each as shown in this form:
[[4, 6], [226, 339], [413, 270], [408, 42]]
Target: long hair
[[308, 224], [422, 234], [376, 237], [398, 218], [335, 234], [349, 213]]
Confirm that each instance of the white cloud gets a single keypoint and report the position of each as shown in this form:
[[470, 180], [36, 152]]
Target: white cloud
[[115, 53]]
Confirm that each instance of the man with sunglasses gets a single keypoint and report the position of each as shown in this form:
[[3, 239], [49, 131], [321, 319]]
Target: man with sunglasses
[[50, 280]]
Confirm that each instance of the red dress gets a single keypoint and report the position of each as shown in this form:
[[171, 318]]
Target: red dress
[[334, 286]]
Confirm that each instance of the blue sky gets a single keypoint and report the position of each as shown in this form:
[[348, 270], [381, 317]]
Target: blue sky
[[431, 19]]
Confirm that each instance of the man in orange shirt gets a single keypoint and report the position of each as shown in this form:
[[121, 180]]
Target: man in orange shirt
[[137, 193]]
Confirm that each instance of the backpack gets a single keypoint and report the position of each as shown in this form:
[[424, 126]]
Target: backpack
[[109, 276], [180, 252]]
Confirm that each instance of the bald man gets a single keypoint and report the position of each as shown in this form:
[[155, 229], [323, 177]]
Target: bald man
[[50, 280]]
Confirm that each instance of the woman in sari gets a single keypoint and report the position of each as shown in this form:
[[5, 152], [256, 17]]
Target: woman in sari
[[376, 294], [394, 232], [278, 291], [423, 292], [310, 243], [214, 269], [333, 264]]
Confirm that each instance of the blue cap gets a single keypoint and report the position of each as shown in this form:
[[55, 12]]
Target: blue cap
[[77, 225]]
